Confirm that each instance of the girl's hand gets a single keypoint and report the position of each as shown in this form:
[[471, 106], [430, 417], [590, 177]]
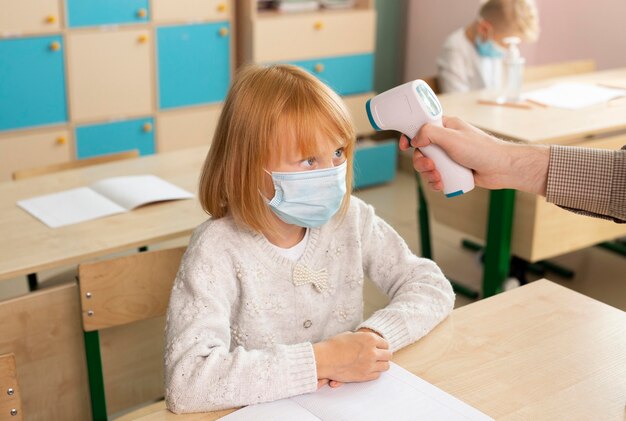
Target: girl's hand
[[352, 357]]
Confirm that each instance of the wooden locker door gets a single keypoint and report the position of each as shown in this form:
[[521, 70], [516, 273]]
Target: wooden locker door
[[110, 74], [193, 64], [106, 12], [186, 128], [118, 136], [183, 11], [30, 17], [32, 82], [19, 151]]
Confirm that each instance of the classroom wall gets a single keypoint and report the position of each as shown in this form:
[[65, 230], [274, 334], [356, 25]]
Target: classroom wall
[[571, 30]]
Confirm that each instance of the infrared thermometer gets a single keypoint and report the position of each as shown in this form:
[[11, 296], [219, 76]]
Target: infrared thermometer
[[406, 108]]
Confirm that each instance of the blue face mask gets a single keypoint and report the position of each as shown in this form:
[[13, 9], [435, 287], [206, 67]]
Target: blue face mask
[[488, 48], [308, 198]]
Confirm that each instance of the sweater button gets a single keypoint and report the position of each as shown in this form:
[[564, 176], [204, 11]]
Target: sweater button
[[307, 324]]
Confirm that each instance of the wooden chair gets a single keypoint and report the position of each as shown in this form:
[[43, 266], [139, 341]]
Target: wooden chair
[[33, 282], [81, 163], [119, 292], [547, 71], [10, 400]]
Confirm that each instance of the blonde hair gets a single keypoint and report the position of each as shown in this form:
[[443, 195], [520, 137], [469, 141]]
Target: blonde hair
[[518, 15], [261, 101]]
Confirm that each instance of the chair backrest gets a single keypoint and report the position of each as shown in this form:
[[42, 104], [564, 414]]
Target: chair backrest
[[547, 71], [10, 400], [118, 292], [81, 163], [127, 289]]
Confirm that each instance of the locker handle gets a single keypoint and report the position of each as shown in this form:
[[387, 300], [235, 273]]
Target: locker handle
[[61, 140], [51, 19], [142, 13], [142, 39], [319, 25], [319, 68], [147, 127], [223, 31], [221, 7], [55, 46]]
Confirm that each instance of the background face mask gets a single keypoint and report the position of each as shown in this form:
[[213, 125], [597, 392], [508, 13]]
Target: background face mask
[[488, 48], [308, 198]]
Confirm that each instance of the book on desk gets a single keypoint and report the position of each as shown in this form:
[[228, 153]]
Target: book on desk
[[103, 198], [397, 395]]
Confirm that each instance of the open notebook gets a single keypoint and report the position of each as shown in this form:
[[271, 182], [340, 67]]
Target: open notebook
[[574, 96], [397, 395], [103, 198]]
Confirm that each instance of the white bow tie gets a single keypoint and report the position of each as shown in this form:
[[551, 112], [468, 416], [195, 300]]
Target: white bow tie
[[303, 275]]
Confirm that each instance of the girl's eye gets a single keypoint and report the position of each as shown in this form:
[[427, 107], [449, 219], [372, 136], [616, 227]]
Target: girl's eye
[[309, 162], [339, 153]]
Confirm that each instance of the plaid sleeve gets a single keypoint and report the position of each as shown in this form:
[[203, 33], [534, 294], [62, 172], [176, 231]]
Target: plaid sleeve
[[588, 181]]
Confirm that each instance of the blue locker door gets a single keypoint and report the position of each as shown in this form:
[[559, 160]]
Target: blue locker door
[[32, 82], [119, 136], [193, 64], [106, 12], [347, 75]]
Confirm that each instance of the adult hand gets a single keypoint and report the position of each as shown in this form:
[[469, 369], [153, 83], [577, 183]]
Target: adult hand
[[351, 357], [496, 164]]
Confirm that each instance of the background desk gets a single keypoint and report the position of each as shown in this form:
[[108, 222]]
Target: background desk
[[540, 352], [30, 246], [520, 223]]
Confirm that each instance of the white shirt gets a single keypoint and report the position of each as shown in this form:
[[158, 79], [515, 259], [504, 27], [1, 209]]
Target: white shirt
[[460, 68], [295, 252]]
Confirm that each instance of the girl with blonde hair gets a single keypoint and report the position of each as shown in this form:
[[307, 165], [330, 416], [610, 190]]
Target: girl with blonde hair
[[268, 299], [471, 57]]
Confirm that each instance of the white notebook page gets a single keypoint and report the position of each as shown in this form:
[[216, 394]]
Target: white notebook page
[[397, 395], [70, 207], [132, 191], [574, 96]]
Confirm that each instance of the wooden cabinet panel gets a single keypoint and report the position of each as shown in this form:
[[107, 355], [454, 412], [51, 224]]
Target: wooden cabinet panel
[[32, 82], [193, 64], [30, 17], [356, 106], [29, 150], [279, 37], [106, 12], [186, 128], [110, 74], [118, 136], [171, 11]]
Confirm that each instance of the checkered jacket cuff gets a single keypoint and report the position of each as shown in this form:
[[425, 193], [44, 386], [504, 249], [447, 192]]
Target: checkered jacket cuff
[[588, 181]]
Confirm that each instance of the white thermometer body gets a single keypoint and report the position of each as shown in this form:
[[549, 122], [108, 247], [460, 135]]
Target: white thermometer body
[[406, 108]]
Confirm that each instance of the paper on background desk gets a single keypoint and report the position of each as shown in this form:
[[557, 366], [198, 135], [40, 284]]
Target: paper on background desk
[[103, 198], [397, 395], [574, 96]]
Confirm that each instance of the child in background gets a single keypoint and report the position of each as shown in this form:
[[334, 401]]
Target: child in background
[[268, 300], [471, 58]]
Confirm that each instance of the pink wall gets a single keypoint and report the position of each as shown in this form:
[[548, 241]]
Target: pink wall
[[570, 30]]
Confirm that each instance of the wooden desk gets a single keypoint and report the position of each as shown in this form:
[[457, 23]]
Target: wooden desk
[[543, 125], [540, 352], [522, 224], [29, 246]]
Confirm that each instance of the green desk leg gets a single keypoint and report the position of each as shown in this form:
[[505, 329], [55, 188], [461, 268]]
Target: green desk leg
[[422, 212], [427, 252], [498, 248]]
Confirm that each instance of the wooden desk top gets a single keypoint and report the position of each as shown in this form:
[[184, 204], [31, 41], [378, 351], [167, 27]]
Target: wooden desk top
[[29, 246], [539, 352], [543, 125]]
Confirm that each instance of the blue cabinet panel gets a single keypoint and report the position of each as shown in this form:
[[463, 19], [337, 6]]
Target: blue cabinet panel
[[119, 136], [375, 164], [347, 75], [106, 12], [32, 82], [193, 64]]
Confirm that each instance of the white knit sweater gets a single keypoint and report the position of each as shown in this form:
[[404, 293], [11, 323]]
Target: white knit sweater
[[242, 318]]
